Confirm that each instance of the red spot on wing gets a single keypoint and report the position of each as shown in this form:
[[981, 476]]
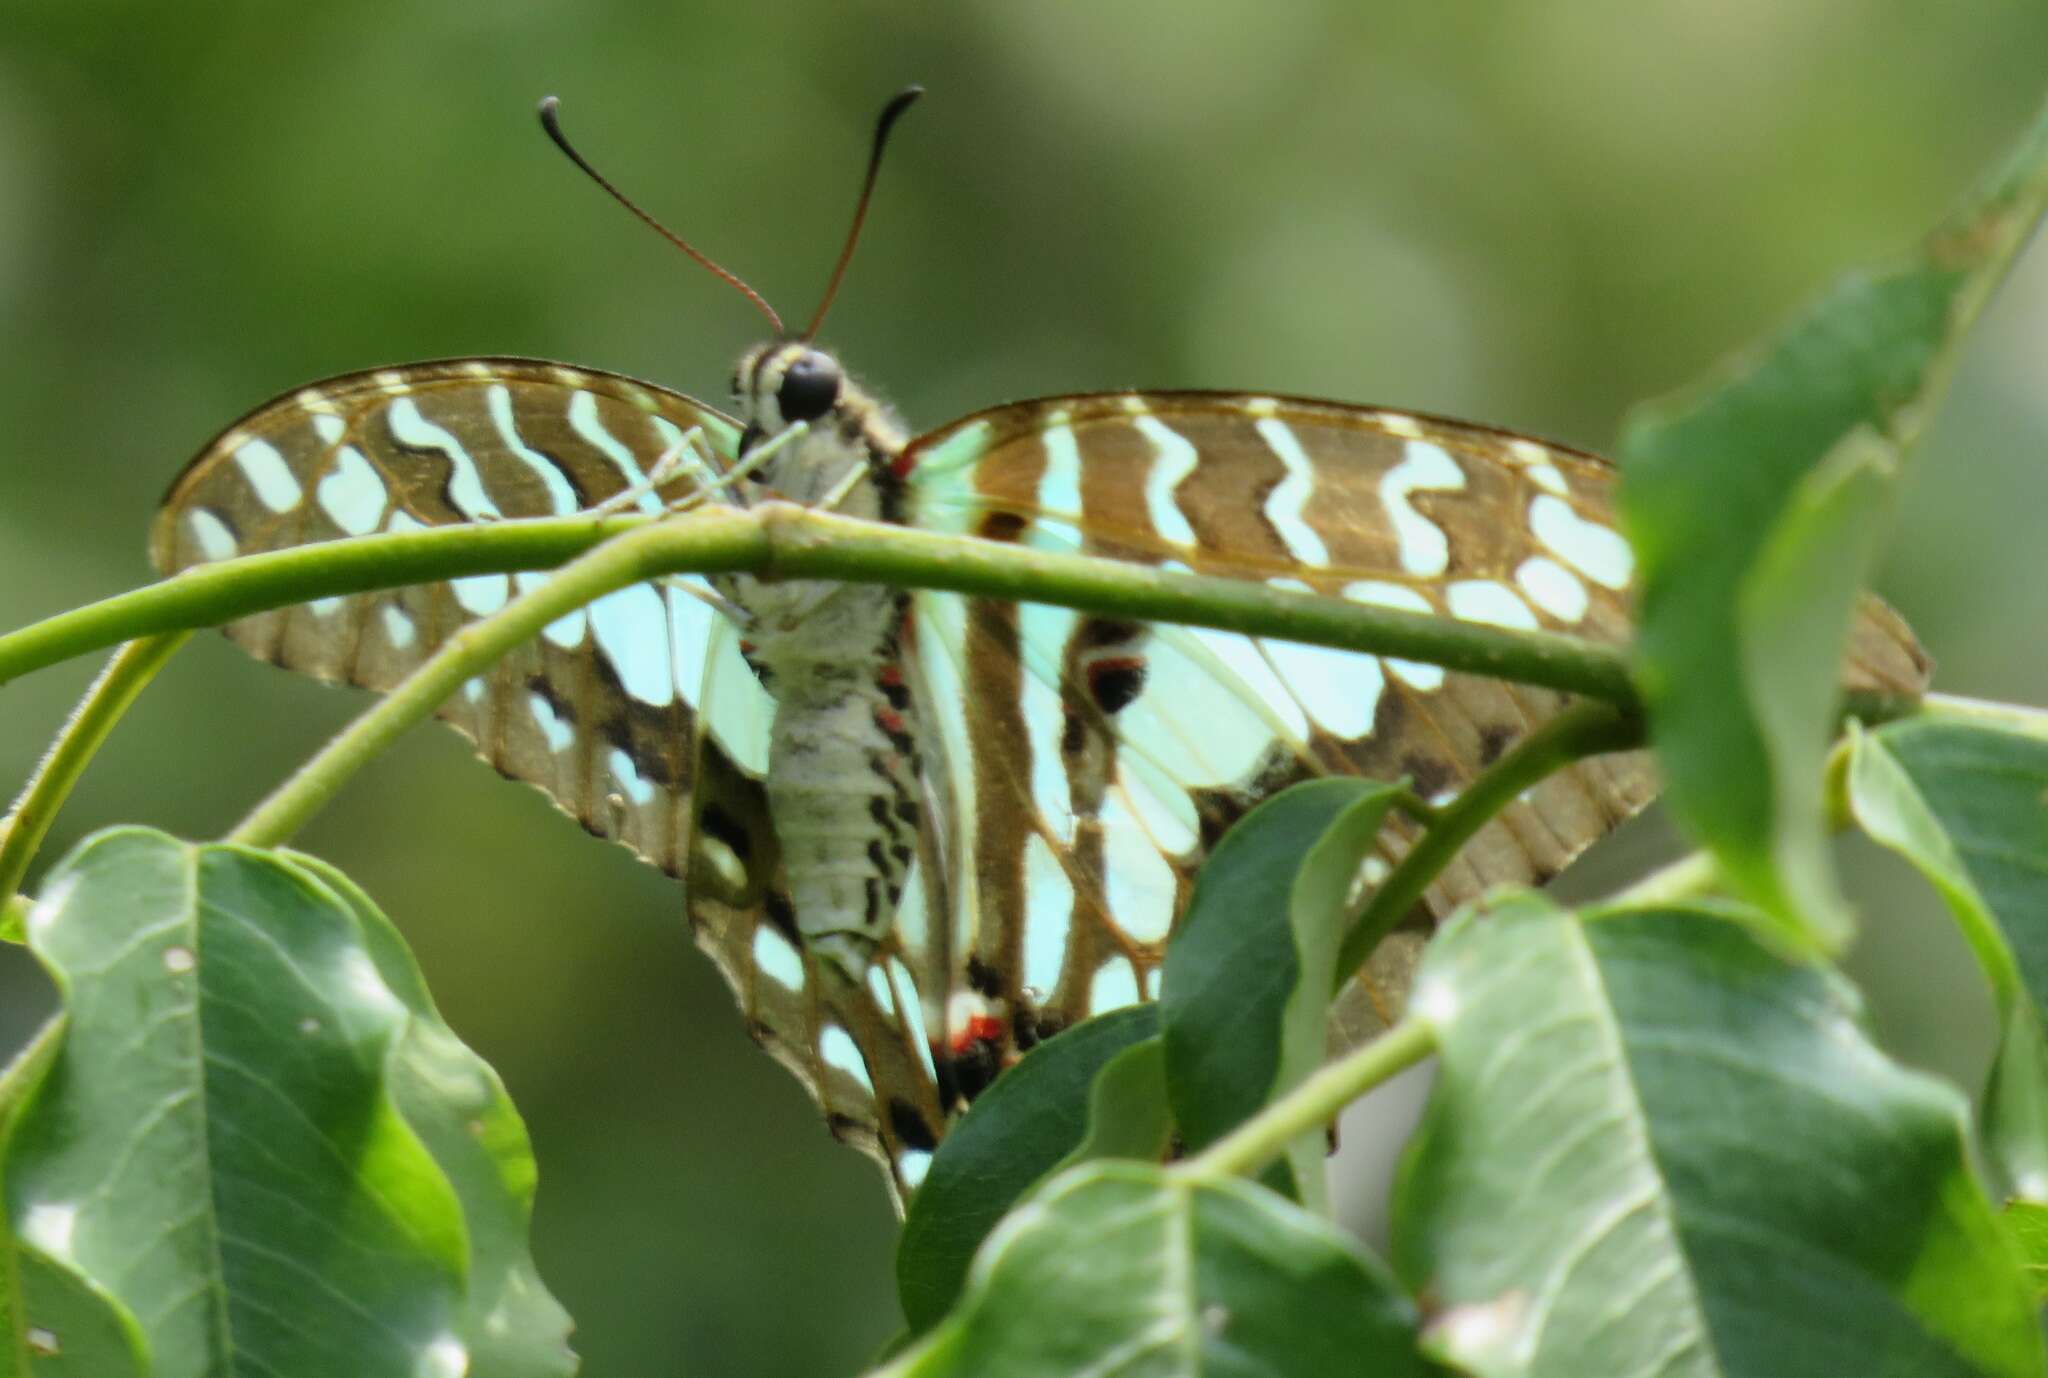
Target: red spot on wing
[[981, 1028]]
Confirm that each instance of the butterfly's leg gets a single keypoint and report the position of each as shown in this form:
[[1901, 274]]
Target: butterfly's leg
[[843, 489], [691, 451], [716, 601], [751, 461]]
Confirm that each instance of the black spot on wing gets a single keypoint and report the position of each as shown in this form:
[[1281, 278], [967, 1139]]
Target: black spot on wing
[[984, 979], [1095, 633], [1427, 774], [1001, 526], [911, 1127], [1032, 1027], [963, 1076], [538, 684], [650, 765], [723, 826], [1073, 734], [1115, 683], [782, 914], [1494, 742]]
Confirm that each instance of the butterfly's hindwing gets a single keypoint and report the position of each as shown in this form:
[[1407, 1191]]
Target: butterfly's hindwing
[[1108, 756]]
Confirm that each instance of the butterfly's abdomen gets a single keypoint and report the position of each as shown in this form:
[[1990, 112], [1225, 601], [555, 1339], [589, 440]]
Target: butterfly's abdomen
[[842, 766]]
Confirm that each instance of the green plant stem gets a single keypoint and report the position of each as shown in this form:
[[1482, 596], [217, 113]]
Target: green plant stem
[[208, 595], [1585, 729], [1312, 1104], [816, 545], [624, 560], [781, 540], [23, 829]]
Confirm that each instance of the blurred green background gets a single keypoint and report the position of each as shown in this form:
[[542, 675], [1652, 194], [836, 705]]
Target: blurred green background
[[1524, 214]]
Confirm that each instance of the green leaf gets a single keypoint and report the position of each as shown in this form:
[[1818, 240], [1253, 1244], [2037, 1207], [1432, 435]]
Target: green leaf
[[220, 1146], [75, 1330], [2027, 1223], [457, 1105], [1655, 1148], [1123, 1268], [1128, 1116], [1793, 608], [1968, 805], [1244, 999], [1018, 1131], [1754, 501]]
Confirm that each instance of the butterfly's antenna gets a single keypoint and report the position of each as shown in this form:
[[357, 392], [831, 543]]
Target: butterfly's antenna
[[553, 125], [899, 103]]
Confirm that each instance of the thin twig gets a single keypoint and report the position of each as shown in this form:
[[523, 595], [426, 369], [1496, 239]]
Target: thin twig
[[1312, 1104], [109, 696], [782, 540], [1585, 729], [624, 560]]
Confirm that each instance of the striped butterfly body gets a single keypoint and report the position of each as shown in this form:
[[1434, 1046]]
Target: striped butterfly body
[[920, 832]]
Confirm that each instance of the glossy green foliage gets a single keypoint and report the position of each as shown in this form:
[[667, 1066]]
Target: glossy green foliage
[[1968, 805], [1755, 501], [1656, 1148], [2027, 1223], [252, 1144], [1019, 1130], [1120, 1268], [1243, 1007]]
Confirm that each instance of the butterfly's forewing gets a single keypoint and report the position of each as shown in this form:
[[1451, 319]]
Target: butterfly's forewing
[[598, 710], [1108, 756], [638, 715]]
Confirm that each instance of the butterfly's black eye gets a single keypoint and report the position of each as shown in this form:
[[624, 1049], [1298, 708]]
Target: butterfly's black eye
[[809, 388]]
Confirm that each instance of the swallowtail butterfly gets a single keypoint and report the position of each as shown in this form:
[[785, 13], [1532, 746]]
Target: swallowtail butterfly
[[920, 832]]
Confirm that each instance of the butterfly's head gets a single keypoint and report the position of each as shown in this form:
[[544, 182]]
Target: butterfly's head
[[787, 383], [783, 382]]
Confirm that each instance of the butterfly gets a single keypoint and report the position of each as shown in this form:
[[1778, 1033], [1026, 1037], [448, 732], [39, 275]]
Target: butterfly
[[920, 832]]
